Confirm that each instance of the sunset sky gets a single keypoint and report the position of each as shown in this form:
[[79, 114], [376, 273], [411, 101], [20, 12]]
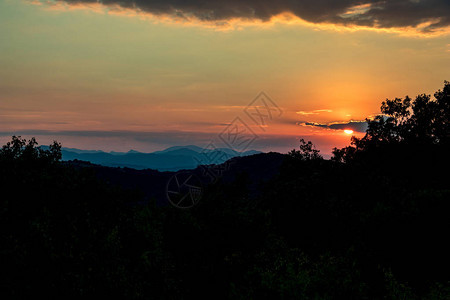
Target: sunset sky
[[146, 75]]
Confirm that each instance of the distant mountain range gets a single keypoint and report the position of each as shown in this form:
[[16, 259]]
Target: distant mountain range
[[170, 159], [259, 167]]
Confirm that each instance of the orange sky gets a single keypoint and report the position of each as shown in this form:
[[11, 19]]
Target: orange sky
[[113, 78]]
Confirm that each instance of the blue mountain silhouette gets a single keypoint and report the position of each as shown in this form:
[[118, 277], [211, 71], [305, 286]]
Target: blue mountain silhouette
[[170, 159]]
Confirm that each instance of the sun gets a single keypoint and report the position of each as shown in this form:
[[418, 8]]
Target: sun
[[348, 131]]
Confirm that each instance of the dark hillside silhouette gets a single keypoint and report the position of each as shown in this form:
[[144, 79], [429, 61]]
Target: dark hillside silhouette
[[372, 223]]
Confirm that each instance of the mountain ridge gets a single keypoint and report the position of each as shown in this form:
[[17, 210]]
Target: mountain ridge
[[171, 159]]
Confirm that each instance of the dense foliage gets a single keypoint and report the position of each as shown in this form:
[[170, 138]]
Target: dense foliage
[[370, 224]]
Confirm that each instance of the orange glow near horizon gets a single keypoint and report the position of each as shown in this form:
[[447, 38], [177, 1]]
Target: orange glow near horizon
[[101, 76]]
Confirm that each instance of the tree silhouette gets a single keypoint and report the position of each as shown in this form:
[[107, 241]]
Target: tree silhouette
[[19, 149], [307, 152], [371, 228], [404, 122]]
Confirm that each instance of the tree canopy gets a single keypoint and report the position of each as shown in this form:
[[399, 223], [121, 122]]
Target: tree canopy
[[371, 224], [405, 122]]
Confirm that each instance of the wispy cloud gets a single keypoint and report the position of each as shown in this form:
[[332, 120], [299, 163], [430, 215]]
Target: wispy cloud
[[358, 126], [313, 112]]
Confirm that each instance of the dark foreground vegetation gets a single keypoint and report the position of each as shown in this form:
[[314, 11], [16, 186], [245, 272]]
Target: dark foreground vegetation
[[372, 223]]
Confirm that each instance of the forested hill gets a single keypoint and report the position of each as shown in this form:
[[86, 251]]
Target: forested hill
[[372, 223], [153, 184]]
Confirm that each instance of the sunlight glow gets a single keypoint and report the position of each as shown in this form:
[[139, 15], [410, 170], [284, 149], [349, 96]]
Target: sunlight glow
[[348, 131]]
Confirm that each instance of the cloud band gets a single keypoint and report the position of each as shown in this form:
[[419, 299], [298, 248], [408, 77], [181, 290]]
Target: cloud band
[[424, 15]]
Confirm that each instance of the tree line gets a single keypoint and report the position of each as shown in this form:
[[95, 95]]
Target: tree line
[[371, 223]]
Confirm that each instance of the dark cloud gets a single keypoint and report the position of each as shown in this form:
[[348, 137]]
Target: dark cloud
[[358, 126], [380, 14]]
